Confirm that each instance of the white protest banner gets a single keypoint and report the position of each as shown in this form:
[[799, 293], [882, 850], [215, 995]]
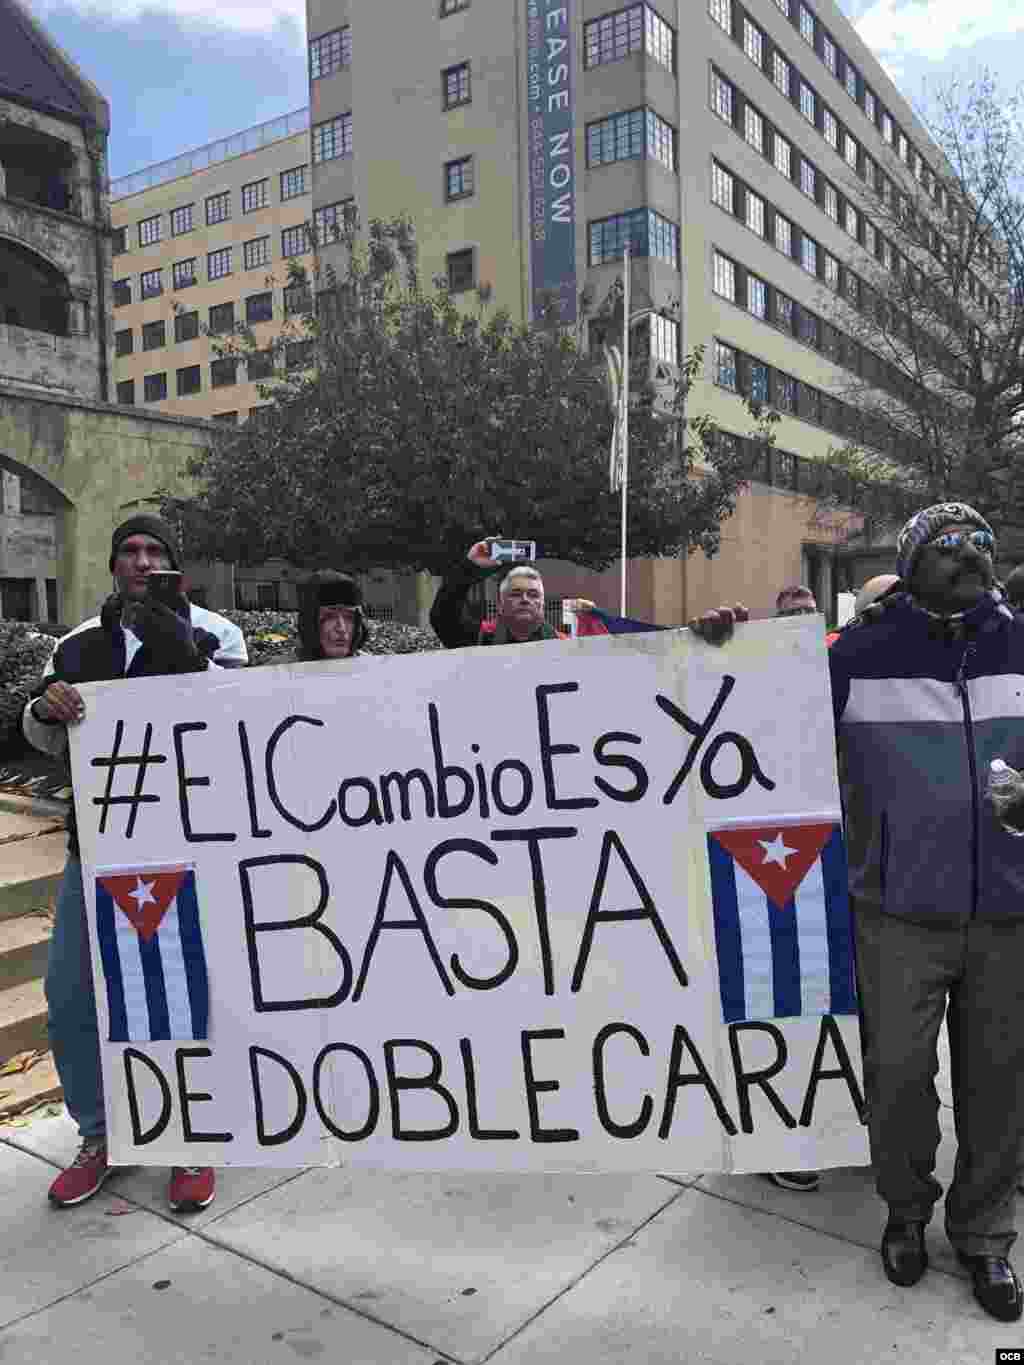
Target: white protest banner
[[577, 905]]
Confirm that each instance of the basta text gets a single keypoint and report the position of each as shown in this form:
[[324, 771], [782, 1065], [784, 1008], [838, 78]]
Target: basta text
[[458, 1095]]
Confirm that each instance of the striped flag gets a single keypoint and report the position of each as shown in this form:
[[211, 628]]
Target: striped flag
[[151, 945], [599, 622], [782, 921]]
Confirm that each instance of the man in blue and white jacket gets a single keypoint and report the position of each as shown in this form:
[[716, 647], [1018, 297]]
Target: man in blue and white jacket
[[133, 637]]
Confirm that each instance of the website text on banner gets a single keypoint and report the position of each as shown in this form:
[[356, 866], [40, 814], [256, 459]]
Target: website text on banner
[[580, 906]]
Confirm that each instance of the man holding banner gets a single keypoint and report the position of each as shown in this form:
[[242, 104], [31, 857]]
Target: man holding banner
[[159, 640], [926, 694]]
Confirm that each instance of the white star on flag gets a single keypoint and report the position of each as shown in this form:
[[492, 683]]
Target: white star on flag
[[143, 893], [776, 850]]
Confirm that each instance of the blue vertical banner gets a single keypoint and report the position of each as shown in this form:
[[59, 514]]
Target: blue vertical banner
[[551, 134]]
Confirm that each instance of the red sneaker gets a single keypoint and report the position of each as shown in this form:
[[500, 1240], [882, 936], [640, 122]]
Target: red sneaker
[[83, 1177], [191, 1188]]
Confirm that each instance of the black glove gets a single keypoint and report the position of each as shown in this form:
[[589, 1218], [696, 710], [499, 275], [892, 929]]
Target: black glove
[[168, 640], [110, 612], [206, 642]]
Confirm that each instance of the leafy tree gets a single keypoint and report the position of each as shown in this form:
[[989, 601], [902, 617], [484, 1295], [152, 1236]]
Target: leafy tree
[[929, 324], [420, 425]]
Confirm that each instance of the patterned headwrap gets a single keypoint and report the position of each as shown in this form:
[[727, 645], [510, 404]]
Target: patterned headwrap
[[923, 526]]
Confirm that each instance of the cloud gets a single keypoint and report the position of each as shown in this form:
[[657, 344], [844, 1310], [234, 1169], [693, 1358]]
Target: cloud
[[237, 16], [932, 29]]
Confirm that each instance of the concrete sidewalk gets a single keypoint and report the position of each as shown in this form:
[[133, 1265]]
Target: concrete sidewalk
[[358, 1267]]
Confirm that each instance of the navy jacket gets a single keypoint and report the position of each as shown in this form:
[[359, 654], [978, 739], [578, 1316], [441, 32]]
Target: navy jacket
[[920, 713]]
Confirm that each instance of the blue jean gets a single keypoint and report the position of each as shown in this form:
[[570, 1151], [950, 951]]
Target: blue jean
[[71, 1008]]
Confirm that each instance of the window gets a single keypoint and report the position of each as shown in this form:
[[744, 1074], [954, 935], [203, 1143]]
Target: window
[[758, 381], [183, 273], [870, 238], [222, 318], [809, 254], [722, 187], [189, 381], [780, 73], [724, 277], [293, 182], [783, 311], [659, 39], [869, 105], [850, 151], [153, 335], [828, 53], [783, 5], [831, 271], [154, 387], [757, 296], [852, 222], [785, 392], [293, 240], [298, 355], [460, 270], [807, 178], [297, 299], [256, 252], [755, 213], [753, 127], [806, 25], [725, 365], [126, 393], [218, 208], [150, 230], [783, 234], [259, 365], [852, 283], [721, 12], [830, 128], [186, 326], [259, 307], [181, 220], [619, 138], [807, 101], [613, 37], [227, 419], [903, 147], [124, 342], [255, 196], [458, 178], [851, 84], [887, 128], [647, 233], [871, 172], [831, 202], [664, 334], [753, 42], [918, 167], [218, 263], [455, 89], [329, 221], [223, 372], [332, 138], [151, 283], [721, 97], [783, 156], [330, 52], [119, 240], [887, 253], [808, 328], [661, 140], [452, 7]]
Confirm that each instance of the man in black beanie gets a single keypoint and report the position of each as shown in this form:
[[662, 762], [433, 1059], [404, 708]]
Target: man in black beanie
[[133, 637]]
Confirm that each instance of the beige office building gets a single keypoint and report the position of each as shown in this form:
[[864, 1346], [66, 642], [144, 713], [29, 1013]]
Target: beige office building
[[529, 139], [201, 244]]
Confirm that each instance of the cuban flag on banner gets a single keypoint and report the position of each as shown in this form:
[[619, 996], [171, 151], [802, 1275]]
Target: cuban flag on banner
[[151, 945], [782, 921]]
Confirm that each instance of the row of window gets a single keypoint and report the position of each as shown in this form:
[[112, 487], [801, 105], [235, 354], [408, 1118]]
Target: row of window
[[220, 319], [745, 374], [637, 28], [735, 109], [298, 355], [741, 27], [783, 469], [180, 220]]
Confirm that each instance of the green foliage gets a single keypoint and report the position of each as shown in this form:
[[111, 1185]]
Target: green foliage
[[423, 425]]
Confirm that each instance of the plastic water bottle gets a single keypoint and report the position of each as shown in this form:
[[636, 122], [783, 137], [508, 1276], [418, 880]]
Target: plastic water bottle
[[1006, 793]]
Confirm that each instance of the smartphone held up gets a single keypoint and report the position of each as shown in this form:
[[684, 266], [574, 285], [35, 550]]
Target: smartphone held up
[[512, 551]]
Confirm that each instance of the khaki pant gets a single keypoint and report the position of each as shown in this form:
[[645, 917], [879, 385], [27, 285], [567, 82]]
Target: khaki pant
[[906, 972]]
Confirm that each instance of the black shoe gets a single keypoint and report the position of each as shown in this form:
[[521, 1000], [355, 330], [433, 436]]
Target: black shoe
[[903, 1253], [996, 1286], [800, 1181]]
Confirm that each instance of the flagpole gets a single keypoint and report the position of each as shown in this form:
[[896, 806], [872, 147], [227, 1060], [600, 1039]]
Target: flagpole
[[624, 430]]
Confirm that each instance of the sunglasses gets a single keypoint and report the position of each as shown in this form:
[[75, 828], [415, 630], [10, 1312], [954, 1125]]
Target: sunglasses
[[953, 541]]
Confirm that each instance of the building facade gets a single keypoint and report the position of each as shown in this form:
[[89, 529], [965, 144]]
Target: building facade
[[728, 143]]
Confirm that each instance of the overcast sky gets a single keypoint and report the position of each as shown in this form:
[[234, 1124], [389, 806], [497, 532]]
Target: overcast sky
[[179, 73]]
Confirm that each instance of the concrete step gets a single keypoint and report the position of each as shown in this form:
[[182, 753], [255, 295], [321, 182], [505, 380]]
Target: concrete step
[[26, 1089], [30, 872], [22, 1019], [24, 943]]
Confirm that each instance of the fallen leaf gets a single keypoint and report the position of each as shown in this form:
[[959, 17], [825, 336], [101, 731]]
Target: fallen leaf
[[22, 1062]]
